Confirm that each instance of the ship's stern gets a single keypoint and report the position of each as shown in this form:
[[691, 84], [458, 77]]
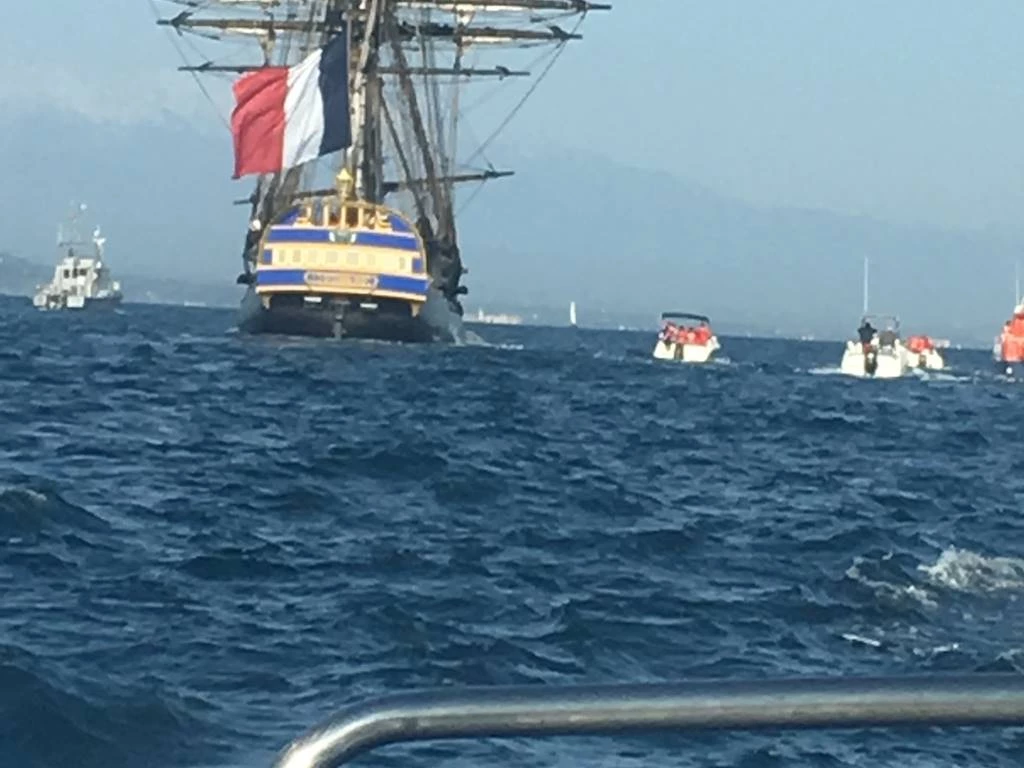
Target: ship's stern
[[342, 269]]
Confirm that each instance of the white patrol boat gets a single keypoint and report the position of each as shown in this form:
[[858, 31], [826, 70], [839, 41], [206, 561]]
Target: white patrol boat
[[80, 280]]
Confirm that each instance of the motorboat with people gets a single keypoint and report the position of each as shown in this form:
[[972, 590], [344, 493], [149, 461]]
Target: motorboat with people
[[1008, 351], [685, 337], [923, 353], [875, 353]]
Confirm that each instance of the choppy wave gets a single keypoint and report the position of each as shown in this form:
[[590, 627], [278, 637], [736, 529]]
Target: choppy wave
[[210, 541], [970, 572]]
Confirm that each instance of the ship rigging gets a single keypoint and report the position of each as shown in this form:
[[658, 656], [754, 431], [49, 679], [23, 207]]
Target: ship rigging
[[410, 63]]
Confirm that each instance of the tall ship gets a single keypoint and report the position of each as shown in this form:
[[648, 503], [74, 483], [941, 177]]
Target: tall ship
[[81, 278], [347, 116]]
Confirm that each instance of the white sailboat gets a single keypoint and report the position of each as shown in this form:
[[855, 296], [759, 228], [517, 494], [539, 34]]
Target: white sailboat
[[572, 313]]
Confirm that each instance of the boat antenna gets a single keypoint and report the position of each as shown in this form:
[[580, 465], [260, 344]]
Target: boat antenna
[[865, 310], [1016, 284], [98, 240]]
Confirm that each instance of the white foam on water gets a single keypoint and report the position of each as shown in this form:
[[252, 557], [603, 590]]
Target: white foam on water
[[893, 591], [926, 375], [450, 326], [861, 640], [439, 316], [966, 571], [830, 370]]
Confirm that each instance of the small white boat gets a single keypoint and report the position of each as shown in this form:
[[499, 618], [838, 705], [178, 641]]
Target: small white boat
[[684, 343], [80, 280], [881, 357], [572, 313], [922, 352]]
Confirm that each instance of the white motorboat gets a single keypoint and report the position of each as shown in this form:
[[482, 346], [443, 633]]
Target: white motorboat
[[923, 353], [876, 354], [685, 343]]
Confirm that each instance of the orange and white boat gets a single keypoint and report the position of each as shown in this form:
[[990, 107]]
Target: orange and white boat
[[685, 343], [1009, 347], [923, 352]]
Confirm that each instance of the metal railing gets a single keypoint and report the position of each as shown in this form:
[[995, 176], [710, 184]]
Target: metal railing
[[540, 710]]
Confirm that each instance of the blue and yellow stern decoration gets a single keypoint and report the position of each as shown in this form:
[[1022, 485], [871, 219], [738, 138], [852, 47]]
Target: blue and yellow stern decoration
[[343, 247]]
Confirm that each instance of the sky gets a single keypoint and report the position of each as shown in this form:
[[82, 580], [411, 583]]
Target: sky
[[910, 111]]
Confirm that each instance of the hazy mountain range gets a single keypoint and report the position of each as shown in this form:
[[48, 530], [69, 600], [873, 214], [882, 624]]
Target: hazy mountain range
[[623, 243]]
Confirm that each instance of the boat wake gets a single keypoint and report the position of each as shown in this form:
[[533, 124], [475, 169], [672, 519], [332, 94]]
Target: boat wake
[[473, 339], [947, 376], [450, 327]]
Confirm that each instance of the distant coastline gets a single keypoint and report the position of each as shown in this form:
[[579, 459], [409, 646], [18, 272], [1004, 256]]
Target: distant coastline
[[20, 276], [500, 318]]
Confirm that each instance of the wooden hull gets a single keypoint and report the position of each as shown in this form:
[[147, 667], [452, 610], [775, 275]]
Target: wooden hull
[[389, 322]]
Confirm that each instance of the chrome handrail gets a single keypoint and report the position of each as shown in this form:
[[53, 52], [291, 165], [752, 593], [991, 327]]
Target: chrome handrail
[[541, 710]]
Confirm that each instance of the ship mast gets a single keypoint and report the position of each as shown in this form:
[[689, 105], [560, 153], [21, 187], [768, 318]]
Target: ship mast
[[408, 73]]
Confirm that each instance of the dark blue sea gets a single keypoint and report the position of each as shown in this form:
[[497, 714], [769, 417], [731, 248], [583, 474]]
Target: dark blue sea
[[209, 542]]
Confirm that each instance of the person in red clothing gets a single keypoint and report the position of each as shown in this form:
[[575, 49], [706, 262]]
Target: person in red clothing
[[1012, 349], [1012, 342], [702, 335]]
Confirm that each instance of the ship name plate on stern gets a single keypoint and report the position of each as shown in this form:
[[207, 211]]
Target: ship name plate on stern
[[341, 279]]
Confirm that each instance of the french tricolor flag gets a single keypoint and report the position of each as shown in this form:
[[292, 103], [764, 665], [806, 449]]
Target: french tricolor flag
[[285, 116]]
